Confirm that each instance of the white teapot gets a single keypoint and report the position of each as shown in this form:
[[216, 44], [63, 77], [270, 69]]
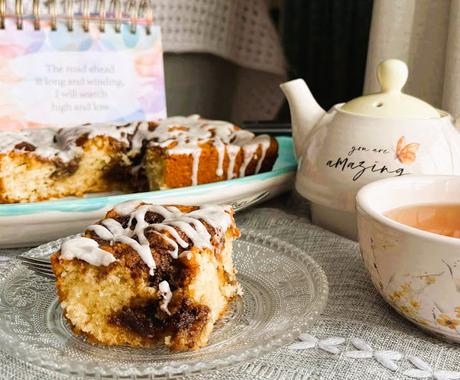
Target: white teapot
[[369, 138]]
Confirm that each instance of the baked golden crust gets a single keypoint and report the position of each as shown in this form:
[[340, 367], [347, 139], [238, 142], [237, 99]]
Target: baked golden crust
[[169, 171], [120, 304]]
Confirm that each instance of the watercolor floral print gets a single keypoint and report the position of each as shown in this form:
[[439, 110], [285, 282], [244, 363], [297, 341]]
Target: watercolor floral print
[[407, 299], [142, 62], [415, 296], [406, 153], [447, 321]]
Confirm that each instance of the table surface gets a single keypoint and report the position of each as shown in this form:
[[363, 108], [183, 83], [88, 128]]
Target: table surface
[[390, 347]]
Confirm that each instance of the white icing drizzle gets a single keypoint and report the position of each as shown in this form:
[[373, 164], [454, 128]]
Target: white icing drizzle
[[248, 154], [181, 135], [62, 143], [220, 157], [166, 296], [189, 224], [126, 208], [175, 252], [217, 217], [101, 231], [173, 243], [232, 152], [199, 238], [186, 135], [87, 250], [142, 249], [264, 145], [196, 162], [163, 227], [186, 254], [113, 226], [173, 209]]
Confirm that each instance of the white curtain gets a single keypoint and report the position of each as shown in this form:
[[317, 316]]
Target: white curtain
[[426, 35]]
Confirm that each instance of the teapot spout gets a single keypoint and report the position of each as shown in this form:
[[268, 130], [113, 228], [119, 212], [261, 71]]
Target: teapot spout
[[305, 111]]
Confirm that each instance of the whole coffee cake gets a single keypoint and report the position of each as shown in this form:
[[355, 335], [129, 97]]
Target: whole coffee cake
[[40, 164]]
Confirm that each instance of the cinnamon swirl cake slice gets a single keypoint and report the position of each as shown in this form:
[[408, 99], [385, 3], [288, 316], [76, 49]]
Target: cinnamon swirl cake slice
[[147, 274]]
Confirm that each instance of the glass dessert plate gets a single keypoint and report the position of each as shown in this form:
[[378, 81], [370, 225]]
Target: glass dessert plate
[[284, 291]]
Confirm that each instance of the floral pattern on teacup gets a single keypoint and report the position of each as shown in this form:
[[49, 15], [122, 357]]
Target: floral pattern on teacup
[[408, 297], [427, 293]]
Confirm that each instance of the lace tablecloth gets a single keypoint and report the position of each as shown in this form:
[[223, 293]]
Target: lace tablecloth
[[357, 336]]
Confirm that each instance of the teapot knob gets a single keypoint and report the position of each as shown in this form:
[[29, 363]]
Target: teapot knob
[[392, 75]]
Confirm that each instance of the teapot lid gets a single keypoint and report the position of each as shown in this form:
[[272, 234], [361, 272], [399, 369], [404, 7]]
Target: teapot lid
[[390, 101]]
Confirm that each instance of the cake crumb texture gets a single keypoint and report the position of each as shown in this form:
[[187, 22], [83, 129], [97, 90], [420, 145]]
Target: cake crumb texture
[[121, 303]]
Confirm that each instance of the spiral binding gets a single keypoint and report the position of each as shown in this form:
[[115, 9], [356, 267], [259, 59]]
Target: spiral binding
[[133, 11], [36, 12]]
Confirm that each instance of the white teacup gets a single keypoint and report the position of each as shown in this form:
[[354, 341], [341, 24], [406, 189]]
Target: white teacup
[[417, 272]]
